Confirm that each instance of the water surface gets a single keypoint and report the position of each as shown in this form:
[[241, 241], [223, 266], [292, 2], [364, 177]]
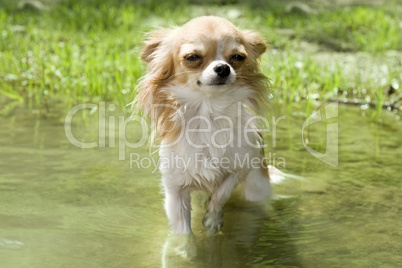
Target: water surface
[[64, 206]]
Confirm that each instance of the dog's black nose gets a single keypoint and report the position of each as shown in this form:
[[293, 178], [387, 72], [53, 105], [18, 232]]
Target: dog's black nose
[[223, 70]]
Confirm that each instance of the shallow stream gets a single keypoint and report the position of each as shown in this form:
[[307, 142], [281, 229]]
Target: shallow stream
[[64, 206]]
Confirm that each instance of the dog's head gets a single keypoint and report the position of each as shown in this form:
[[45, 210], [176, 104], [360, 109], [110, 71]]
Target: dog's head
[[208, 55]]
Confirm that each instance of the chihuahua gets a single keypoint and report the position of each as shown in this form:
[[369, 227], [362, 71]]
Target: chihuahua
[[205, 94]]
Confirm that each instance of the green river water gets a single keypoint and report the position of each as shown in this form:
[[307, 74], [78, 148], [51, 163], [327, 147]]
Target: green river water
[[64, 206]]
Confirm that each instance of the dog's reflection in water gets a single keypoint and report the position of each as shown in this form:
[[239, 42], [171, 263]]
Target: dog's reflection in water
[[229, 248]]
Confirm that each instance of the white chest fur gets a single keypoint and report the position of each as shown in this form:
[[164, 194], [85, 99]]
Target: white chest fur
[[218, 138]]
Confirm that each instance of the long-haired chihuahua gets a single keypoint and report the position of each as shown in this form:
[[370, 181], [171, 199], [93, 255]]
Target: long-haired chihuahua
[[204, 92]]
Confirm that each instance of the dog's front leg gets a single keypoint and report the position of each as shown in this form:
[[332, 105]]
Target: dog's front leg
[[213, 218], [178, 208]]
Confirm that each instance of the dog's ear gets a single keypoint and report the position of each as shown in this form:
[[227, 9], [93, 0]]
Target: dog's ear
[[254, 42], [152, 42]]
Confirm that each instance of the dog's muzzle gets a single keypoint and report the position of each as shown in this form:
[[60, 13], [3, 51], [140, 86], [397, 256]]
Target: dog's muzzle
[[218, 73]]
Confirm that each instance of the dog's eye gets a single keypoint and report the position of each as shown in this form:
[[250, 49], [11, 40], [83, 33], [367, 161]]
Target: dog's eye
[[192, 57], [238, 57]]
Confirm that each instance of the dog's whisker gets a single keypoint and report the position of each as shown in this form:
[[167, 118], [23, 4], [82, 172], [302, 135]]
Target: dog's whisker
[[184, 72]]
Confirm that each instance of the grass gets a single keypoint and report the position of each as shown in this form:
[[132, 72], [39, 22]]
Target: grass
[[87, 51], [349, 29], [75, 52]]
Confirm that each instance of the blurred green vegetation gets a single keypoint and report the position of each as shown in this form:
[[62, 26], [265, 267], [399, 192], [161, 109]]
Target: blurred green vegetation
[[87, 51], [356, 28]]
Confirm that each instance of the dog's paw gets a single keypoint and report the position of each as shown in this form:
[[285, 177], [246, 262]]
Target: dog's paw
[[213, 221]]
